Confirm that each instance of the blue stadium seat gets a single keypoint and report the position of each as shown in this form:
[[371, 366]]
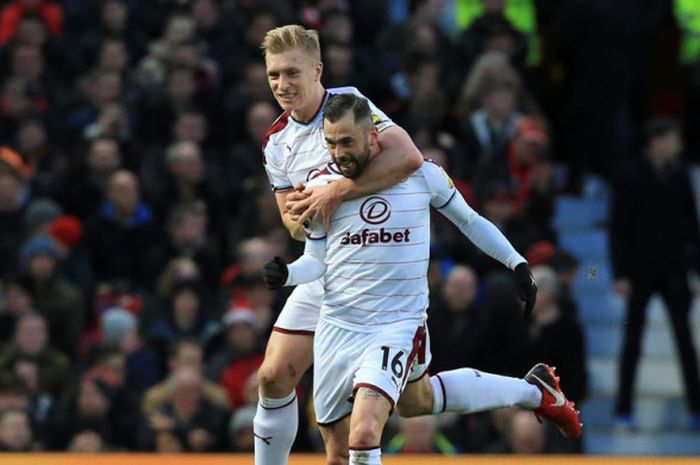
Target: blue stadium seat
[[576, 213]]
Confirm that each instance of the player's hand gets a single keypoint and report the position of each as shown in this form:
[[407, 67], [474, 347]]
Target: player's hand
[[293, 198], [321, 203], [275, 273], [527, 288]]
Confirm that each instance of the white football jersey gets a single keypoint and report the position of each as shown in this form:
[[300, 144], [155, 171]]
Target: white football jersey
[[377, 252], [295, 152]]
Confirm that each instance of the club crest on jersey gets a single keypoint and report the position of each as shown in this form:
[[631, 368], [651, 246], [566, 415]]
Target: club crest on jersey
[[375, 210]]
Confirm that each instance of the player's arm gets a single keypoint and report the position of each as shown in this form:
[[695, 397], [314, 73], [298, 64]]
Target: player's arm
[[309, 267], [484, 234], [480, 231], [398, 159], [295, 228]]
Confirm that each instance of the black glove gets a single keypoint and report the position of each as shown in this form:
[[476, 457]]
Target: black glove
[[275, 273], [527, 288]]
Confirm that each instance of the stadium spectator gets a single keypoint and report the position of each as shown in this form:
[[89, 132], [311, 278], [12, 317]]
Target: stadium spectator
[[12, 13], [87, 441], [120, 329], [14, 198], [15, 301], [119, 235], [84, 183], [13, 392], [184, 353], [191, 420], [245, 354], [240, 429], [185, 316], [557, 337], [187, 237], [654, 243], [59, 302], [15, 432]]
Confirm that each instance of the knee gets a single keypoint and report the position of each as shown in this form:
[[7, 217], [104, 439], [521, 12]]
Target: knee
[[274, 381], [364, 435]]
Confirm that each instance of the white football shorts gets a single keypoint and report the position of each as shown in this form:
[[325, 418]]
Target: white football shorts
[[383, 360], [301, 311]]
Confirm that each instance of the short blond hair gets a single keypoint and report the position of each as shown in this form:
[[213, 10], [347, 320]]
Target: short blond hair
[[289, 37]]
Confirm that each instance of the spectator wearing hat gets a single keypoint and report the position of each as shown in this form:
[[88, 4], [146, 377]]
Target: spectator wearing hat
[[234, 340], [12, 13], [244, 339], [56, 299], [120, 329], [39, 215], [74, 266], [183, 353]]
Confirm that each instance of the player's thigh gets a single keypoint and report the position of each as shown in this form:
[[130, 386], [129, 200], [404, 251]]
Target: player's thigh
[[287, 357], [417, 398], [336, 355], [335, 439]]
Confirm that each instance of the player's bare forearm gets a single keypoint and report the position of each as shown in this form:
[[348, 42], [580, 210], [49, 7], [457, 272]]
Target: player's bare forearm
[[295, 228], [398, 159]]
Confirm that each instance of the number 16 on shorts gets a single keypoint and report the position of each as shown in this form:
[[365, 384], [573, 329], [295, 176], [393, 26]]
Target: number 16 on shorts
[[385, 369]]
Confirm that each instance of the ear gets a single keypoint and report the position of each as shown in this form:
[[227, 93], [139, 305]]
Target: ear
[[373, 137], [319, 71]]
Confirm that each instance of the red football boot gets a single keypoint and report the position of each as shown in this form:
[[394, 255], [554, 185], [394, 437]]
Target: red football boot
[[555, 406]]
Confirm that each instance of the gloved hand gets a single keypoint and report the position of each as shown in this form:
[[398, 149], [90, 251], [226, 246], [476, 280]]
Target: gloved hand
[[526, 286], [275, 273]]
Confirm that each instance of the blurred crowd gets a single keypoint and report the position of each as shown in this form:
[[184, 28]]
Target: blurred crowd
[[135, 214]]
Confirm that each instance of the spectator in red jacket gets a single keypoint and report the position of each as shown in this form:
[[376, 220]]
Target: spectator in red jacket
[[10, 16]]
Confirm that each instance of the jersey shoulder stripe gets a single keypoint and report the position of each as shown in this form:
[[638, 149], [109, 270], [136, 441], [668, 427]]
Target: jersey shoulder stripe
[[344, 90], [279, 124]]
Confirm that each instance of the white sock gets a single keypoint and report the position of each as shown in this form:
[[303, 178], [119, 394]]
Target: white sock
[[275, 427], [366, 457], [468, 391]]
